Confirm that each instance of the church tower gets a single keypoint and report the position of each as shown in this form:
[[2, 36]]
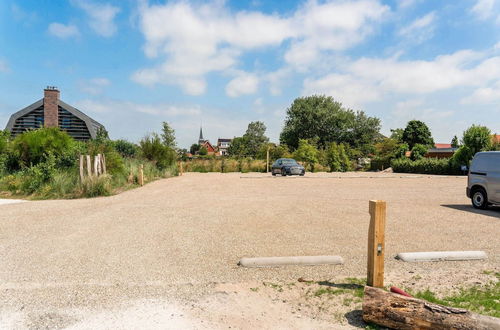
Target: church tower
[[201, 140]]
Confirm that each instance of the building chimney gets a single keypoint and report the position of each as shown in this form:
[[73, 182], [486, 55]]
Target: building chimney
[[51, 106]]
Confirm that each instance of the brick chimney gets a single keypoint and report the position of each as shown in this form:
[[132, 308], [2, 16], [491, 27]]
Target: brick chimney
[[51, 106]]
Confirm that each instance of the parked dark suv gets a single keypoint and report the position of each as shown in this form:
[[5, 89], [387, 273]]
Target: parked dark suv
[[287, 166]]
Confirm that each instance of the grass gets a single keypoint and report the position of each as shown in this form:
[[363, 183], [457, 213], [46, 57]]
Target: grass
[[479, 299]]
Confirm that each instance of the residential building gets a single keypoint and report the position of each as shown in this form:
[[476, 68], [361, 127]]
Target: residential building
[[441, 150], [223, 146], [50, 111]]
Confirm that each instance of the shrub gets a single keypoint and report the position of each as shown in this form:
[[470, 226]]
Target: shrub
[[418, 151], [424, 166], [126, 149], [154, 150], [32, 147]]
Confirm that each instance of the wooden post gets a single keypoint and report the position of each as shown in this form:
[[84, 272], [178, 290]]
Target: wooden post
[[96, 165], [376, 244], [267, 160], [81, 168], [141, 175], [103, 164], [89, 166]]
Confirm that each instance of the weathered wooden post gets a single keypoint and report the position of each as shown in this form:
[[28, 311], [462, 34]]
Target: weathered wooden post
[[81, 168], [267, 160], [376, 244], [96, 165], [89, 166], [141, 175], [103, 159]]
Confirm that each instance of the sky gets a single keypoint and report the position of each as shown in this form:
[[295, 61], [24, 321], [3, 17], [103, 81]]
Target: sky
[[133, 64]]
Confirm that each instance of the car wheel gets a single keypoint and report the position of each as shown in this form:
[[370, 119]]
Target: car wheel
[[272, 173], [283, 172], [479, 199], [302, 174]]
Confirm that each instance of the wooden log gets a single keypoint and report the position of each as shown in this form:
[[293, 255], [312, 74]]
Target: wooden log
[[89, 166], [376, 244], [81, 168], [441, 256], [103, 164], [399, 312]]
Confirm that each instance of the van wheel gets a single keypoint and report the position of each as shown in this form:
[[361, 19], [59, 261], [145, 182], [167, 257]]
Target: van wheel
[[479, 199]]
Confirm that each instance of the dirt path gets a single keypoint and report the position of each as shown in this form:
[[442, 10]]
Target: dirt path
[[171, 245]]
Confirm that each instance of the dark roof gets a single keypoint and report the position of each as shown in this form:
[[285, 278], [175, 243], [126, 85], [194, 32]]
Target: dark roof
[[92, 125], [438, 150], [224, 140]]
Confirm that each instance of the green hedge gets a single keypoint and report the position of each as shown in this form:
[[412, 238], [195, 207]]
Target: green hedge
[[425, 166]]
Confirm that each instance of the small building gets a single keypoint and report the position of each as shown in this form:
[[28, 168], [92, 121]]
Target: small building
[[223, 146], [210, 149], [441, 150], [52, 112]]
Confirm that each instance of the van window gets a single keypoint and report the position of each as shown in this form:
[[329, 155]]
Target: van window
[[486, 163]]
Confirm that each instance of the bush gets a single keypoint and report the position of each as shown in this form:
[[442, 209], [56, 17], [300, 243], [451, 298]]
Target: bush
[[418, 151], [154, 150], [126, 149], [425, 166], [33, 147], [96, 186]]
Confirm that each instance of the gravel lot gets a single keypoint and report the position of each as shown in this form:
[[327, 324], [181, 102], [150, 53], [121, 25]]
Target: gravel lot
[[171, 244]]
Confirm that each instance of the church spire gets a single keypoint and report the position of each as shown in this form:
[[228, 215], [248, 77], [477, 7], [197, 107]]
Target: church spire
[[201, 140]]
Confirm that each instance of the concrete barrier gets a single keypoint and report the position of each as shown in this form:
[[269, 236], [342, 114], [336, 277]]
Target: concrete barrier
[[291, 261], [441, 256]]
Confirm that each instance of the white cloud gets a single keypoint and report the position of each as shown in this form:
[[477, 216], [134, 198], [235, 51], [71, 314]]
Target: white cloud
[[63, 31], [112, 106], [243, 84], [4, 67], [101, 16], [483, 9], [484, 95], [420, 29], [352, 92], [94, 86], [194, 39]]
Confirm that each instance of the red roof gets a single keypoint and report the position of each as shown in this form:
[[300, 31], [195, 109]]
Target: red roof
[[496, 138], [442, 145]]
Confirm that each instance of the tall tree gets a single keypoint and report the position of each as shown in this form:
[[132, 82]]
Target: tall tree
[[417, 132], [397, 134], [454, 142], [477, 138], [168, 135], [194, 148], [326, 120], [237, 147], [255, 137]]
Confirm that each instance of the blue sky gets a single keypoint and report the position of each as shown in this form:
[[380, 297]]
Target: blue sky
[[133, 64]]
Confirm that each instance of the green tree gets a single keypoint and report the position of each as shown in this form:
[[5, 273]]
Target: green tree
[[238, 147], [4, 141], [194, 148], [333, 157], [255, 137], [126, 148], [397, 134], [454, 142], [168, 135], [153, 149], [477, 138], [418, 151], [307, 153], [345, 162], [417, 132], [322, 118], [203, 151]]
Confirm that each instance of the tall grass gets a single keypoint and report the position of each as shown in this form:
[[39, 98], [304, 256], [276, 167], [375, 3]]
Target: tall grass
[[226, 165]]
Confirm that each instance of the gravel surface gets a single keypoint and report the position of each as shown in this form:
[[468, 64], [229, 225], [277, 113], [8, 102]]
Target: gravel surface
[[174, 241]]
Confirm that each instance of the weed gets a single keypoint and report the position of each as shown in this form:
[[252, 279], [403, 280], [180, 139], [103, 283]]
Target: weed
[[479, 299], [254, 289]]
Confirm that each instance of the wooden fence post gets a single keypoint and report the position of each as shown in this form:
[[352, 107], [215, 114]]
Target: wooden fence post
[[89, 166], [376, 244], [103, 158], [81, 168], [141, 175], [267, 160]]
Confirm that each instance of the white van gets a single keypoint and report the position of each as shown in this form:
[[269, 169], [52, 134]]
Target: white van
[[483, 183]]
